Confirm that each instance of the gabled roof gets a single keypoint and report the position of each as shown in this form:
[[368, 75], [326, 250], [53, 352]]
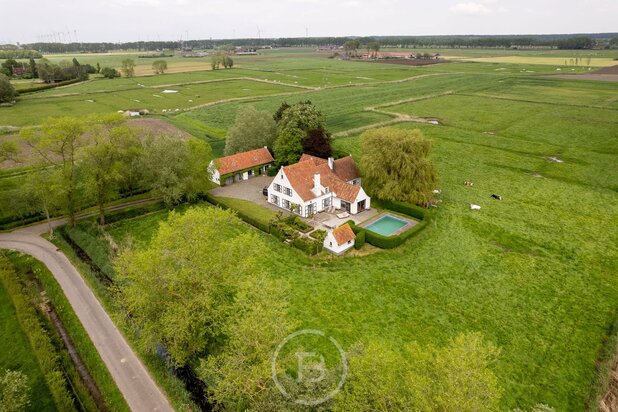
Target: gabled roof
[[343, 234], [244, 160], [301, 176], [346, 168]]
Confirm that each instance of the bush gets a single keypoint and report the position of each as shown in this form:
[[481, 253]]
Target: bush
[[360, 239], [272, 171], [318, 235], [109, 73], [297, 223], [307, 245]]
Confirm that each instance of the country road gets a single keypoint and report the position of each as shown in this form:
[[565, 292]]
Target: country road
[[130, 375]]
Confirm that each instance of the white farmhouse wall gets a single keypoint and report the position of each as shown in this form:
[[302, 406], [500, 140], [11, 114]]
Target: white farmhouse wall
[[331, 245]]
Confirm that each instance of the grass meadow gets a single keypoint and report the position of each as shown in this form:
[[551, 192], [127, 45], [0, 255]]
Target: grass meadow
[[534, 273]]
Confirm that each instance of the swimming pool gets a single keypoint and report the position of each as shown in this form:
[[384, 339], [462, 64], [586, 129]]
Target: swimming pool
[[386, 225]]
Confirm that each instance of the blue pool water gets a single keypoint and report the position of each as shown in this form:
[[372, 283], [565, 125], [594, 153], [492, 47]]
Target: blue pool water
[[386, 225]]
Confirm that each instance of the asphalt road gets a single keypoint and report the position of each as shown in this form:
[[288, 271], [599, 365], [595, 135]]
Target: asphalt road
[[130, 375]]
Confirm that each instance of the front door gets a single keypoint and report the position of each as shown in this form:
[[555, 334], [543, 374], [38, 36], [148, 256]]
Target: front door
[[360, 206], [345, 206]]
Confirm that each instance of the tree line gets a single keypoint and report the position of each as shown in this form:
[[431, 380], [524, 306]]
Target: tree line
[[553, 41], [92, 161]]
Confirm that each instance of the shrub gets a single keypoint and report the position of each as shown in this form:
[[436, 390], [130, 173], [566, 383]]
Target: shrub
[[297, 223], [360, 239], [318, 235], [109, 73], [272, 171]]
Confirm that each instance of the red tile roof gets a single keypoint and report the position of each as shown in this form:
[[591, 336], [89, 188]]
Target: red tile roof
[[301, 176], [346, 168], [244, 160], [343, 234]]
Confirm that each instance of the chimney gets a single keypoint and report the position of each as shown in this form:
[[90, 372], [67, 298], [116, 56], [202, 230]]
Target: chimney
[[331, 163], [316, 184]]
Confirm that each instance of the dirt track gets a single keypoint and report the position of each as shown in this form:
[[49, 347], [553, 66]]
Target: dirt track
[[606, 74]]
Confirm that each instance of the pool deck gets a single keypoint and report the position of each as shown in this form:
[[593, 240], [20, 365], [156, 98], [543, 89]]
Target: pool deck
[[410, 223]]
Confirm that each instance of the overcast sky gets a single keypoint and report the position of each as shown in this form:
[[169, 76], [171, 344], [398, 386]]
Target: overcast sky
[[132, 20]]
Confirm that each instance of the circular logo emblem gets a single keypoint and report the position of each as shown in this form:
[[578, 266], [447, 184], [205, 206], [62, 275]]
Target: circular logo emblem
[[308, 367]]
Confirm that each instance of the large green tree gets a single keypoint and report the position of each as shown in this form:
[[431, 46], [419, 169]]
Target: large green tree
[[396, 166], [175, 168], [128, 67], [252, 129], [7, 91], [292, 128], [159, 66], [455, 378], [57, 143], [101, 161], [180, 290]]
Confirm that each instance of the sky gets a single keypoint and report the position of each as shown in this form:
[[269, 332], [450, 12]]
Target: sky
[[134, 20]]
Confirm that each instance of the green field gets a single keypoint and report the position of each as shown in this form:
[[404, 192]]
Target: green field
[[17, 354], [534, 273]]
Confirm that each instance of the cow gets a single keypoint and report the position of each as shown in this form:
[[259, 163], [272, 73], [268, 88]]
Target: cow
[[497, 197], [474, 207]]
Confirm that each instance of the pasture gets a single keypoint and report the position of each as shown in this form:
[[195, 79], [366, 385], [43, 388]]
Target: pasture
[[534, 273]]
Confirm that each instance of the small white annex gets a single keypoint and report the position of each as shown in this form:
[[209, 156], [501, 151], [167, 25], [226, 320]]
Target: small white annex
[[339, 240], [314, 185]]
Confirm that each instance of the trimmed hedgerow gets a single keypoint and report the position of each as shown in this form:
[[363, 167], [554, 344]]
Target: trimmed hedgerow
[[307, 245], [360, 239]]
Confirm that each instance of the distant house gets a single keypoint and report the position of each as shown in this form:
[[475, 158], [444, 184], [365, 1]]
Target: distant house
[[18, 70], [340, 240], [387, 55], [240, 166], [314, 185]]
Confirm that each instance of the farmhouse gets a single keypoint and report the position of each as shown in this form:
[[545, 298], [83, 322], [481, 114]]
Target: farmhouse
[[240, 166], [314, 185], [340, 240]]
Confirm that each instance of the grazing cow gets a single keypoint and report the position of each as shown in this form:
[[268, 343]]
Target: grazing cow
[[497, 197], [467, 183], [474, 207]]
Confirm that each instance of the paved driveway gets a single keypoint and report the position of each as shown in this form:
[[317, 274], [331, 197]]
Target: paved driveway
[[250, 190]]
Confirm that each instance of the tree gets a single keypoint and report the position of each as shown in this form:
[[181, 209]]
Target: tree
[[14, 390], [175, 168], [159, 66], [292, 129], [7, 91], [32, 67], [216, 59], [101, 161], [109, 73], [453, 378], [57, 144], [6, 67], [351, 47], [180, 289], [128, 67], [279, 113], [289, 145], [41, 193], [98, 70], [395, 165], [228, 62], [252, 129], [373, 48], [317, 142], [238, 374]]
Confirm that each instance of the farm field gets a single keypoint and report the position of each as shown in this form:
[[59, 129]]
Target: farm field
[[535, 273]]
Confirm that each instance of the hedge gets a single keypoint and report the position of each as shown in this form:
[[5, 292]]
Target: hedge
[[132, 212], [272, 171], [40, 342], [360, 239], [307, 245], [48, 86], [390, 242]]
